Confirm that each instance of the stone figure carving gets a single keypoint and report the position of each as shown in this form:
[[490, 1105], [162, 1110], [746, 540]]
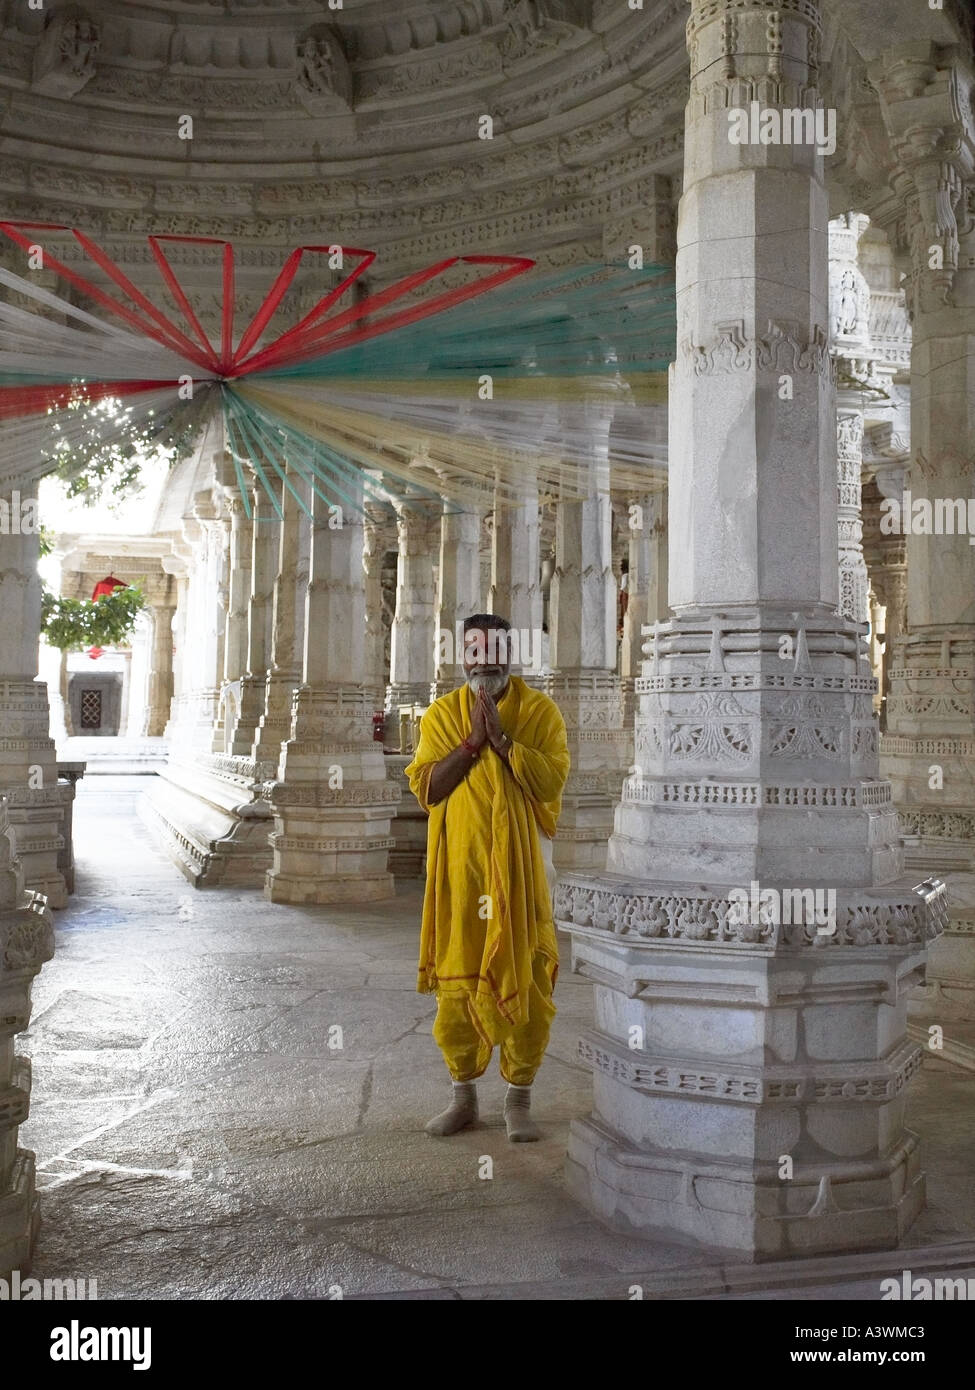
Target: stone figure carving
[[65, 57], [322, 68], [847, 310], [541, 23]]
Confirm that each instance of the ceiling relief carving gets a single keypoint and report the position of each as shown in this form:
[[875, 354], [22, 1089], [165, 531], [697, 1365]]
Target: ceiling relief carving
[[324, 77], [64, 60], [370, 118], [368, 115]]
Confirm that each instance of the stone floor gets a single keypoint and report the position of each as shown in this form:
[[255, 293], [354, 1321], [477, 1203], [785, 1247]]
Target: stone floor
[[197, 1136]]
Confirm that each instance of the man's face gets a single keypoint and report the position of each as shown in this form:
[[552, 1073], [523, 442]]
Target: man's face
[[487, 659]]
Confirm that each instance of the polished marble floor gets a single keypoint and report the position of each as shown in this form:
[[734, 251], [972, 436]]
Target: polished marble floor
[[199, 1134]]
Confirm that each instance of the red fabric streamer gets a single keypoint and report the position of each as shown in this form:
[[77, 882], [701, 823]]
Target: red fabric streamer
[[19, 402], [322, 342], [170, 338], [278, 290], [310, 337]]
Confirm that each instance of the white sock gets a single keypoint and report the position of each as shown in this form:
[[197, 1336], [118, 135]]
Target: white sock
[[521, 1128], [461, 1111]]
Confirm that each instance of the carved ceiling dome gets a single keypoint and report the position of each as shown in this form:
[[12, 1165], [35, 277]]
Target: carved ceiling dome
[[420, 129], [373, 114]]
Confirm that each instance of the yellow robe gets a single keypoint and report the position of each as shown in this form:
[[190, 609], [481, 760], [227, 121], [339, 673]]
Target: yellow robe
[[487, 911]]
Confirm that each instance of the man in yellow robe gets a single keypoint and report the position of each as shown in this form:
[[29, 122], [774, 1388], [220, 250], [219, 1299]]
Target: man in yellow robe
[[489, 768]]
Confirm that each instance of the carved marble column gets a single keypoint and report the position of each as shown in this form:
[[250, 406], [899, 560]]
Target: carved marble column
[[849, 296], [206, 536], [458, 591], [886, 559], [160, 684], [332, 803], [28, 761], [646, 588], [516, 586], [235, 633], [265, 553], [929, 748], [26, 942], [207, 804], [748, 1067], [376, 531], [239, 587], [584, 683], [284, 673], [854, 585], [876, 647], [413, 650]]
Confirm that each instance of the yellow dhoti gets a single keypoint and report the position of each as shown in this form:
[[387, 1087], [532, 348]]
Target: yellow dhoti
[[488, 948]]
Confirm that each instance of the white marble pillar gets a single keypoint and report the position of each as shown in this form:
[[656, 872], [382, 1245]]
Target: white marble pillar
[[284, 672], [886, 557], [583, 680], [849, 315], [332, 803], [376, 525], [458, 591], [160, 683], [646, 588], [854, 584], [26, 942], [414, 637], [929, 748], [207, 804], [877, 620], [516, 574], [28, 760], [265, 554], [238, 587], [206, 540], [179, 569], [749, 1068]]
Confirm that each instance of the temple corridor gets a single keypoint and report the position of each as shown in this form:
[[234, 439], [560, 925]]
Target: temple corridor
[[197, 1137], [487, 506]]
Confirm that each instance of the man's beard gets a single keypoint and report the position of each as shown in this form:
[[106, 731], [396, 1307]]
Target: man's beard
[[490, 679]]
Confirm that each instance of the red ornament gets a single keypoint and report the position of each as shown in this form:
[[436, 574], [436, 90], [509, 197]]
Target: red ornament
[[108, 585]]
